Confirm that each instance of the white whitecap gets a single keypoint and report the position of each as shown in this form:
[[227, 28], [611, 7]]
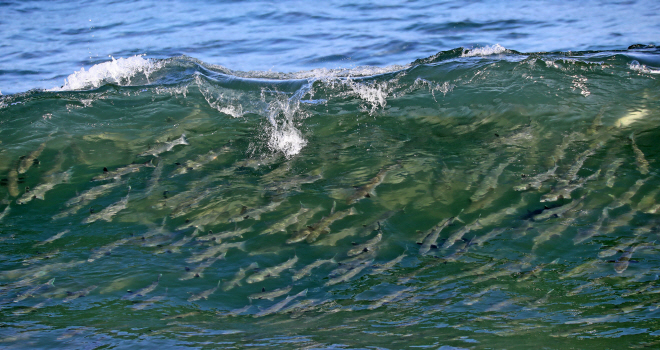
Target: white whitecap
[[484, 51], [636, 66], [118, 71]]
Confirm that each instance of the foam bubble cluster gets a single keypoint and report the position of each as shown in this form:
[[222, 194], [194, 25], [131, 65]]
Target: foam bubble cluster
[[635, 65], [484, 51], [118, 71]]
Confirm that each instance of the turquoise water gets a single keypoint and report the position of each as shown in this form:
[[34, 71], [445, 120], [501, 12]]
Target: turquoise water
[[451, 175], [412, 189]]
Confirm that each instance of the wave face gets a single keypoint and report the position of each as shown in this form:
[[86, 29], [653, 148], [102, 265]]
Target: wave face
[[469, 199]]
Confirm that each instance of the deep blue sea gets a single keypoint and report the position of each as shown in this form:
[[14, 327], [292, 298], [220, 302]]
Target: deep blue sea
[[345, 175]]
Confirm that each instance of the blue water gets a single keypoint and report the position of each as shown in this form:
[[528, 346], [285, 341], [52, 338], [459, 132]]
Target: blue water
[[42, 42]]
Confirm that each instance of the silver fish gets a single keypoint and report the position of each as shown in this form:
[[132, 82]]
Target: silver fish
[[105, 250], [30, 292], [40, 190], [642, 163], [368, 190], [272, 271], [308, 269], [490, 181], [205, 294], [236, 281], [281, 226], [388, 265], [199, 270], [271, 295], [199, 162], [144, 291], [12, 183], [215, 250], [564, 191], [366, 246], [119, 172], [627, 196], [165, 146], [558, 211], [535, 182], [51, 239], [458, 235], [28, 160], [278, 306], [348, 275], [78, 294], [109, 212], [611, 170], [432, 237]]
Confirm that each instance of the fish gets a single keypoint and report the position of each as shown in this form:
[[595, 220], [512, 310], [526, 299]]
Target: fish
[[640, 160], [432, 237], [30, 159], [593, 230], [30, 292], [348, 275], [199, 162], [483, 239], [92, 193], [377, 269], [271, 295], [40, 190], [644, 204], [564, 191], [555, 230], [458, 235], [240, 274], [571, 174], [368, 190], [621, 264], [165, 147], [199, 270], [218, 237], [254, 213], [523, 276], [311, 233], [108, 212], [51, 239], [279, 305], [537, 181], [144, 291], [581, 269], [366, 246], [79, 294], [307, 270], [288, 185], [390, 298], [5, 212], [616, 248], [558, 211], [119, 172], [31, 308], [474, 174], [205, 294], [12, 183], [490, 181], [627, 196], [272, 271], [146, 303], [611, 170], [105, 250], [281, 225], [186, 206], [215, 250]]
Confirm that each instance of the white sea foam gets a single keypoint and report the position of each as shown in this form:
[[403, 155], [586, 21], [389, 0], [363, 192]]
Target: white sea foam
[[634, 65], [119, 71], [484, 51]]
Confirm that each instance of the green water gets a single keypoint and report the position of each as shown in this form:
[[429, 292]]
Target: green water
[[447, 138]]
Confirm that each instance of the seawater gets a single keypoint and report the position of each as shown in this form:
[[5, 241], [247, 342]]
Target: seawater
[[543, 166]]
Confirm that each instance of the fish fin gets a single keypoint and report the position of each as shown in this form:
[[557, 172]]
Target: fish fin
[[184, 140], [263, 289]]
